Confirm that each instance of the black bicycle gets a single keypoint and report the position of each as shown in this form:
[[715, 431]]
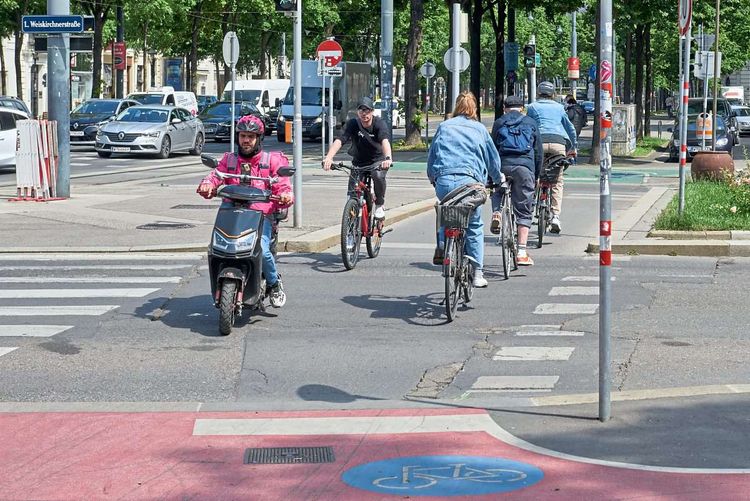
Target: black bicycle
[[358, 219], [453, 214], [508, 238]]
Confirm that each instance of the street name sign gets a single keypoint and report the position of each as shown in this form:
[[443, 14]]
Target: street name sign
[[52, 24]]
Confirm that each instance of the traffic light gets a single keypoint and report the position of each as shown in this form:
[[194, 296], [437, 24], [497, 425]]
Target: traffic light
[[529, 55], [286, 5]]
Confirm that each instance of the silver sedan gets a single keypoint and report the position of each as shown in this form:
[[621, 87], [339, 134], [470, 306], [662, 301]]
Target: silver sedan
[[155, 130]]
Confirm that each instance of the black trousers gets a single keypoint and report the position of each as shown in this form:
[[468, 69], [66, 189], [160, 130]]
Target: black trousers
[[378, 183]]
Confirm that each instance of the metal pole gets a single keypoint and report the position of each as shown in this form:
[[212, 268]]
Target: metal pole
[[573, 52], [331, 114], [614, 67], [323, 107], [511, 38], [716, 82], [704, 67], [605, 207], [231, 58], [58, 93], [386, 63], [120, 82], [297, 122], [684, 116], [532, 74], [427, 114], [456, 73]]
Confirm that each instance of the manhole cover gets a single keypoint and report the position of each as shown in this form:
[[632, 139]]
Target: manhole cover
[[196, 206], [165, 226], [675, 343], [289, 455]]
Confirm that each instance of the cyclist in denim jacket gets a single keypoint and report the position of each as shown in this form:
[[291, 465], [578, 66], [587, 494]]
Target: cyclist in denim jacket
[[461, 153]]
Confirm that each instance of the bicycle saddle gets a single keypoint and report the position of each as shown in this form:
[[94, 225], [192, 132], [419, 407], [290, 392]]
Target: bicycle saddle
[[468, 194]]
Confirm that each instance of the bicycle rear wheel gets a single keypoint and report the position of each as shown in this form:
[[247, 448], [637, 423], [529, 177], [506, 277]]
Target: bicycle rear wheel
[[506, 238], [468, 273], [542, 219], [452, 274], [514, 242], [351, 234]]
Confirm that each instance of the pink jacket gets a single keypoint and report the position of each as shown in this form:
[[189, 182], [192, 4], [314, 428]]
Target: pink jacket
[[264, 164]]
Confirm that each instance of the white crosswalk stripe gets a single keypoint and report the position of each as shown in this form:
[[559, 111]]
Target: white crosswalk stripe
[[566, 309], [32, 330], [557, 333], [514, 383], [533, 353], [103, 267], [53, 311], [5, 351], [72, 293], [92, 280], [574, 291]]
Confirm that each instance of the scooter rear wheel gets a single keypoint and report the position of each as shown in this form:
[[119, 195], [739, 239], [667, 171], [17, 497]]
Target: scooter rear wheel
[[227, 307]]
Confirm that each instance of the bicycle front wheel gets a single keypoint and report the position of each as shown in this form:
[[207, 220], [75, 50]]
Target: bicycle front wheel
[[374, 238], [351, 234], [506, 238], [452, 273]]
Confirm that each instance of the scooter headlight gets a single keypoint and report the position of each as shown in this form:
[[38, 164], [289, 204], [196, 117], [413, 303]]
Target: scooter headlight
[[234, 244]]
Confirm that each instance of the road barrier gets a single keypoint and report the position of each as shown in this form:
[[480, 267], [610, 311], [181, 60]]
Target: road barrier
[[36, 160]]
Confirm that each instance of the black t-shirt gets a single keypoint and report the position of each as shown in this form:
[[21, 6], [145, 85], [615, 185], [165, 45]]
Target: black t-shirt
[[366, 146]]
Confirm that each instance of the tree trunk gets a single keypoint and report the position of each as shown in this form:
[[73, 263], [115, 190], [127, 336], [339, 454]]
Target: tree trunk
[[475, 29], [498, 26], [100, 16], [639, 64], [18, 35], [192, 83], [145, 61], [649, 81], [224, 28], [413, 131], [628, 73], [219, 79], [3, 72], [595, 150], [264, 38]]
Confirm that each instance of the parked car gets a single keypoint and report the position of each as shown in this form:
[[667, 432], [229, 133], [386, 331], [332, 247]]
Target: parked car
[[397, 113], [217, 118], [86, 119], [14, 102], [8, 134], [724, 139], [742, 118], [204, 101], [723, 109], [588, 106], [156, 130], [187, 100]]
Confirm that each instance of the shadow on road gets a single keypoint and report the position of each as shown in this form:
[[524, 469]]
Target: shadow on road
[[325, 393], [424, 310]]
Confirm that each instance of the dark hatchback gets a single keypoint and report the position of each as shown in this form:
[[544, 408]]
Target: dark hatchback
[[724, 142], [217, 118], [86, 118]]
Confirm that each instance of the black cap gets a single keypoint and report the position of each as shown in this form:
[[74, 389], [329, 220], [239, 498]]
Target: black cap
[[365, 102], [513, 102]]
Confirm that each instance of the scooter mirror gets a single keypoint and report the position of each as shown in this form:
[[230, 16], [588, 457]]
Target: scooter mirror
[[209, 161], [287, 171]]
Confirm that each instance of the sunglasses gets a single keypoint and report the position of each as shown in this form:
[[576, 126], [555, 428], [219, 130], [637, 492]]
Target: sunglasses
[[364, 110]]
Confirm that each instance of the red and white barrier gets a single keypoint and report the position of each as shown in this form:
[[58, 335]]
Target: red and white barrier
[[36, 160]]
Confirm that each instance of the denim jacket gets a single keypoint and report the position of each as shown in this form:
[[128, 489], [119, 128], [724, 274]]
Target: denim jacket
[[552, 120], [463, 146]]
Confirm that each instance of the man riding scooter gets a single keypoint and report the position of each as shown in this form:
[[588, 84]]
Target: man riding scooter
[[251, 160]]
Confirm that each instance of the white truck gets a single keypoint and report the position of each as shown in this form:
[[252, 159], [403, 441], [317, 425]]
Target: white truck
[[353, 84], [265, 94], [735, 94]]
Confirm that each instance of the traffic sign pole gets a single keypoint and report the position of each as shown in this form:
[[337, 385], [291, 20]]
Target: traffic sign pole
[[58, 93], [456, 77], [297, 123], [231, 52], [685, 25]]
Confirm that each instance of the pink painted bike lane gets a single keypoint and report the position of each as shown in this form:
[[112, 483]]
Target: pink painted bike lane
[[394, 454]]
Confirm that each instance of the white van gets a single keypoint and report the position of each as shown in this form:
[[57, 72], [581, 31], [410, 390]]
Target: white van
[[262, 93], [187, 100], [163, 96]]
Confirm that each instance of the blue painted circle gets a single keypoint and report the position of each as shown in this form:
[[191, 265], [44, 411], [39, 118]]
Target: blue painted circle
[[442, 475]]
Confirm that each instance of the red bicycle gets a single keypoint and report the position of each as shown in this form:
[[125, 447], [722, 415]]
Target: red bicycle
[[358, 220]]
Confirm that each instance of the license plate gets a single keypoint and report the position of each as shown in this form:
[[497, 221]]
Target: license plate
[[692, 149], [76, 133], [210, 129], [120, 149]]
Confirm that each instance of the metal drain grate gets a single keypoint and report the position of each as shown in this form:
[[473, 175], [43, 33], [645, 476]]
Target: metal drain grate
[[165, 226], [289, 455], [195, 206]]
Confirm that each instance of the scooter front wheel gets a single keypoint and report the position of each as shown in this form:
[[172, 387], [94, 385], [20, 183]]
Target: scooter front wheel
[[227, 306]]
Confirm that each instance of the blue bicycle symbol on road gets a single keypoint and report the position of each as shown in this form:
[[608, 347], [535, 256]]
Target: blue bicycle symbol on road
[[443, 475]]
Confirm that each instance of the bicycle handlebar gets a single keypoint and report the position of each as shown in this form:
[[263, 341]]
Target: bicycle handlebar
[[342, 166]]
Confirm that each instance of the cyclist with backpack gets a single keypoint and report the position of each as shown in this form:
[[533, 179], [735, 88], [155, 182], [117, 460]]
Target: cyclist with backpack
[[559, 138], [519, 144]]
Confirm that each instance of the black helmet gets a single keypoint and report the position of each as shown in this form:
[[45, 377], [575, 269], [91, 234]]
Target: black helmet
[[545, 89]]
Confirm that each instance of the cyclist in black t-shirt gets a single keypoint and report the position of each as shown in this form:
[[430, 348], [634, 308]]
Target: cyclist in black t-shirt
[[370, 144]]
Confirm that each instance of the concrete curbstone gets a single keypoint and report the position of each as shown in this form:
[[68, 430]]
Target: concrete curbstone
[[708, 248]]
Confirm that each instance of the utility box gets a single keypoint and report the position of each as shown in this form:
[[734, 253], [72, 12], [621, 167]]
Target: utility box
[[623, 129]]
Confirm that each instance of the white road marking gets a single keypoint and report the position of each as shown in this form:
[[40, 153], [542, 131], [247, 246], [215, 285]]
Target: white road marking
[[580, 279], [108, 256], [5, 351], [32, 330], [566, 309], [90, 280], [51, 311], [515, 383], [574, 291], [533, 353], [550, 333], [99, 267], [73, 293], [407, 245]]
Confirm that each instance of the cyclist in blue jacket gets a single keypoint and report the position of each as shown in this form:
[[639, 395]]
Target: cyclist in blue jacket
[[461, 153]]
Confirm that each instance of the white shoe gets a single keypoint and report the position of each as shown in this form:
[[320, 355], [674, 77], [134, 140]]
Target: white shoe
[[554, 224], [379, 212], [278, 297], [479, 281]]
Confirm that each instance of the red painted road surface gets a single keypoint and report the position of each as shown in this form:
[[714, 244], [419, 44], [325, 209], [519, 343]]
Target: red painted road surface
[[67, 456]]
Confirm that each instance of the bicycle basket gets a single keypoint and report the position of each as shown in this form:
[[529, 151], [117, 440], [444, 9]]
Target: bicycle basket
[[455, 216]]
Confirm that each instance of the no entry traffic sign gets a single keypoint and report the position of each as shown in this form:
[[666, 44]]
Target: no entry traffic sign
[[685, 15], [330, 52]]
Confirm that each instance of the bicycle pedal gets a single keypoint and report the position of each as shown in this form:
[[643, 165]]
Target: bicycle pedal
[[386, 231]]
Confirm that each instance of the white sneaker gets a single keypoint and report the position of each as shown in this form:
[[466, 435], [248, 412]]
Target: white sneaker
[[379, 212], [479, 281], [278, 297], [554, 224]]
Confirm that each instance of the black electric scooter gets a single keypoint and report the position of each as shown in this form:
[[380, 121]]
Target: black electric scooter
[[235, 258]]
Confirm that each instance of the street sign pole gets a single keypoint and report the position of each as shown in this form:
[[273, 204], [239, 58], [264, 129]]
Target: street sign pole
[[330, 114], [685, 18], [297, 123], [716, 81], [456, 76], [323, 107], [605, 206], [427, 114], [231, 52], [58, 94], [386, 57]]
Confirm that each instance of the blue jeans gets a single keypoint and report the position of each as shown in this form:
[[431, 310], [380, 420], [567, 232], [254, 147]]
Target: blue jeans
[[474, 246], [269, 264]]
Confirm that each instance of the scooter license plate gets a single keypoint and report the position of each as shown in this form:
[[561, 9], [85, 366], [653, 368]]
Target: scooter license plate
[[76, 133], [120, 149]]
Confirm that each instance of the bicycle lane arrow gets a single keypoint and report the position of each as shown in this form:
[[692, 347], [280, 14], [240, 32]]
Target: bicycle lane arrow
[[414, 452]]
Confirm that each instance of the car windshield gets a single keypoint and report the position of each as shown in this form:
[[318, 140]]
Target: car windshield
[[149, 98], [696, 106], [221, 110], [742, 112], [310, 96], [242, 95], [137, 114], [97, 108]]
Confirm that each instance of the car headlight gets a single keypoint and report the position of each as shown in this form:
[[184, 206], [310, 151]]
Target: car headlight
[[281, 118], [151, 134], [234, 244], [226, 124], [722, 141], [99, 133], [319, 119]]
